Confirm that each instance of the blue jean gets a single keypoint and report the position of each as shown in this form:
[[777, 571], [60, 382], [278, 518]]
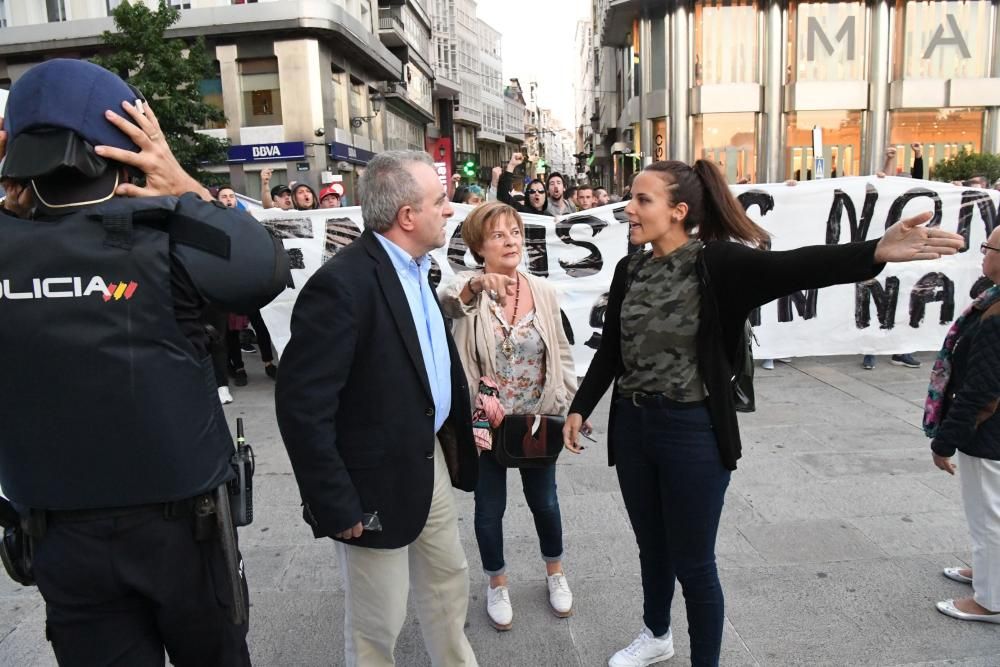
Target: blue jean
[[491, 502], [674, 484]]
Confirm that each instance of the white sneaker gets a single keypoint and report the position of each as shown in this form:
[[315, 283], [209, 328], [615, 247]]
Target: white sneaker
[[644, 650], [498, 607], [560, 597], [225, 396]]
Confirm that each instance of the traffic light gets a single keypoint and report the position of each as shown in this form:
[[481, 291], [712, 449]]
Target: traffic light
[[470, 169]]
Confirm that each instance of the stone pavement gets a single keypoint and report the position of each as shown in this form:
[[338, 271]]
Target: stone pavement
[[835, 530]]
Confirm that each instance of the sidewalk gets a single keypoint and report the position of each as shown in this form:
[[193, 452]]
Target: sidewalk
[[835, 530]]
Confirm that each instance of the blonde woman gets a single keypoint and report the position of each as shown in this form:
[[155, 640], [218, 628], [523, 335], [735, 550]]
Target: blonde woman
[[507, 327]]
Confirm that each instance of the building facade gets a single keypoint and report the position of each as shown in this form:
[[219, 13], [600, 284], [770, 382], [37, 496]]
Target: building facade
[[491, 139], [306, 86], [746, 82]]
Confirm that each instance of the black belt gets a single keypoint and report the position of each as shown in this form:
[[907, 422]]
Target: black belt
[[659, 400], [170, 510]]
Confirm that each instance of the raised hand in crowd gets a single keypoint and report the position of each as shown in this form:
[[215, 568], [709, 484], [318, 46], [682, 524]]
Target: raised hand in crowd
[[515, 160]]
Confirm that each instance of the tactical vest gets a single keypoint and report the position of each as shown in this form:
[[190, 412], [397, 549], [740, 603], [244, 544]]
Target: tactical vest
[[103, 401]]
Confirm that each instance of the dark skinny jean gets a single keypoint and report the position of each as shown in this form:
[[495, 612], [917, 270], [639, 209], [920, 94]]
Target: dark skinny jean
[[491, 502], [673, 483]]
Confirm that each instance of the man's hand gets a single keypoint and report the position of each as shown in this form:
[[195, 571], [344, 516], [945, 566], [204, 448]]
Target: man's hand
[[917, 149], [496, 176], [456, 178], [164, 175], [265, 176], [351, 533], [890, 158]]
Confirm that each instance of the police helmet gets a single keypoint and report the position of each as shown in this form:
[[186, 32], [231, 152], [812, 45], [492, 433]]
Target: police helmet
[[54, 118]]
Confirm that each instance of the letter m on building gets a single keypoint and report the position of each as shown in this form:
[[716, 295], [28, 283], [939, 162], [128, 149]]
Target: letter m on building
[[815, 31]]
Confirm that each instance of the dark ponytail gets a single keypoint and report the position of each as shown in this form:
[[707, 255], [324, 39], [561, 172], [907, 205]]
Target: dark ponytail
[[712, 208]]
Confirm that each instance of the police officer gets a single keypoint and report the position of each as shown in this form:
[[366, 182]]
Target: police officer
[[115, 448]]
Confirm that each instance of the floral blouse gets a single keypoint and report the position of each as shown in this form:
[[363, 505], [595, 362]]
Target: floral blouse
[[522, 375]]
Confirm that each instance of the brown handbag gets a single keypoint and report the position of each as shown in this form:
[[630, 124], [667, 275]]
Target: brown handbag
[[525, 441]]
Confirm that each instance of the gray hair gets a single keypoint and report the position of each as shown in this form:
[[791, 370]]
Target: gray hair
[[387, 186]]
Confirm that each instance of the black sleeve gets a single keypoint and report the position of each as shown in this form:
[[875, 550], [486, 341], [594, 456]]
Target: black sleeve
[[314, 369], [504, 188], [917, 170], [604, 365], [980, 391], [745, 278]]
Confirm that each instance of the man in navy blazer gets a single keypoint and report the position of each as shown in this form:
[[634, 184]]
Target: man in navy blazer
[[373, 407]]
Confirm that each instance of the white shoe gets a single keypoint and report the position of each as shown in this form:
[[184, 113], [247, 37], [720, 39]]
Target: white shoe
[[560, 597], [955, 574], [644, 650], [498, 607], [767, 364], [225, 396]]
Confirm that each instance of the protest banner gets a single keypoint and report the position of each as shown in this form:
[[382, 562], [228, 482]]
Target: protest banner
[[908, 308]]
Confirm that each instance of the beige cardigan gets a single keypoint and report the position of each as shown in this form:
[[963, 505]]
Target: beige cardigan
[[560, 370]]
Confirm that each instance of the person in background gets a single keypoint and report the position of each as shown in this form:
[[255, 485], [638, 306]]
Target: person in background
[[534, 193], [669, 327], [916, 171], [304, 198], [507, 327], [961, 415], [330, 196], [570, 196], [227, 197], [601, 196], [584, 197], [474, 195], [556, 189], [280, 196]]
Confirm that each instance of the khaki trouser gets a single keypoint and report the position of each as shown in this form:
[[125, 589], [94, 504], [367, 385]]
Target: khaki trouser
[[378, 581]]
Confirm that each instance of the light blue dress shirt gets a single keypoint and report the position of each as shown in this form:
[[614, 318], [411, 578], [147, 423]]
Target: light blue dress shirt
[[429, 323]]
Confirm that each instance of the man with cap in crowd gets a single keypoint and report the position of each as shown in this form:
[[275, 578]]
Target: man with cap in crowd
[[115, 454], [280, 196], [331, 195]]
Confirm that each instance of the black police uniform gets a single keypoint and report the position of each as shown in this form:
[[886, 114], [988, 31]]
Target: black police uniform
[[112, 431]]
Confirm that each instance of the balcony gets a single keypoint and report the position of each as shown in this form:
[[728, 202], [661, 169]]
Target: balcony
[[390, 27]]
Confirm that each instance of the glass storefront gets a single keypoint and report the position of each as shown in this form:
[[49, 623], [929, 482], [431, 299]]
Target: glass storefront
[[725, 42], [729, 140], [841, 143], [827, 41], [941, 132], [942, 40]]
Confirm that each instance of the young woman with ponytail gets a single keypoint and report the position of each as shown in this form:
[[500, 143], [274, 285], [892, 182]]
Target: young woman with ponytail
[[674, 318]]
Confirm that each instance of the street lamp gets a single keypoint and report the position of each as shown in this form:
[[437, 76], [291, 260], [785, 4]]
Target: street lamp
[[376, 99]]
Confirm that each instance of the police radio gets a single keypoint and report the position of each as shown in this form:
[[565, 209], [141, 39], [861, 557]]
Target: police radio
[[241, 488]]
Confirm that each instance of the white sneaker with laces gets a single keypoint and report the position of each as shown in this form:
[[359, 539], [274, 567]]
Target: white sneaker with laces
[[644, 650], [225, 396], [560, 597], [498, 607]]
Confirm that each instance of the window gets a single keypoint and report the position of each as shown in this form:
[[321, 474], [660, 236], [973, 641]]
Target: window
[[827, 41], [943, 40], [180, 4], [339, 98], [725, 42], [728, 139], [943, 133], [841, 143], [56, 10], [261, 92], [4, 20], [211, 94]]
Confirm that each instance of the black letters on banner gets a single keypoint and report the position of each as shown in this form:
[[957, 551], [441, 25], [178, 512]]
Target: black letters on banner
[[987, 211], [537, 249], [297, 228], [592, 263], [456, 251], [759, 198], [805, 303], [932, 287], [896, 210], [842, 203], [886, 300]]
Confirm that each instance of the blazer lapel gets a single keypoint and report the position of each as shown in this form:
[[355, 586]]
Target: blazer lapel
[[395, 297]]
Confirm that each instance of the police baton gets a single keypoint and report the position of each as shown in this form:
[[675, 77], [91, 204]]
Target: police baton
[[234, 564]]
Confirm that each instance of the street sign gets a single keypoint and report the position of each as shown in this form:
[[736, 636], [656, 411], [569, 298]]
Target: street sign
[[301, 166]]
